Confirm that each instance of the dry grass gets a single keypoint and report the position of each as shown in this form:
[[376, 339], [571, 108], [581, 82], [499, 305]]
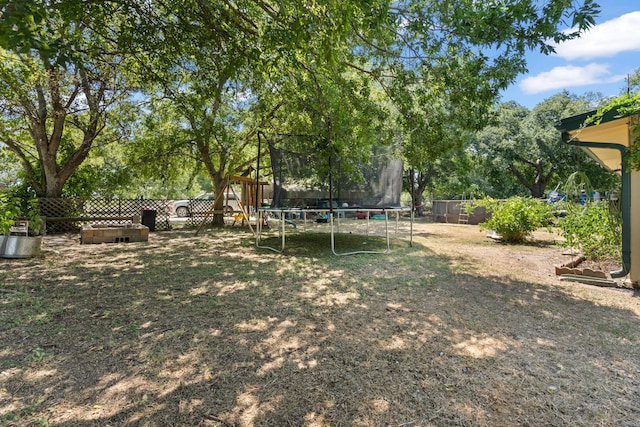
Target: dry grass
[[208, 330]]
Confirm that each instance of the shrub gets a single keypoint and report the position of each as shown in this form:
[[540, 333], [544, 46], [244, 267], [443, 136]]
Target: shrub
[[12, 207], [515, 218], [594, 229], [9, 210]]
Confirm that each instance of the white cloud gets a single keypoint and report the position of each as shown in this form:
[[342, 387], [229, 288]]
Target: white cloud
[[605, 40], [569, 76]]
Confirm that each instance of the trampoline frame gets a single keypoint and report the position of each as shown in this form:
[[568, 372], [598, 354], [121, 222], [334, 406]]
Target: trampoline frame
[[334, 222]]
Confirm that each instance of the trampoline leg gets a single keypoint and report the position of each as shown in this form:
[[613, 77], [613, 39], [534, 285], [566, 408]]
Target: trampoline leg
[[259, 233], [282, 223], [333, 241], [411, 230]]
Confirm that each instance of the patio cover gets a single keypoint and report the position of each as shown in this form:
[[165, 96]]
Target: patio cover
[[604, 142], [608, 143]]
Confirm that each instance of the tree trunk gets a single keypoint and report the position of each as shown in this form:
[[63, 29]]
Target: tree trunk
[[418, 202], [417, 183], [540, 182], [217, 179], [219, 186]]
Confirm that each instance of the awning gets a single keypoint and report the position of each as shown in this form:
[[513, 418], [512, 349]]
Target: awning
[[607, 141], [612, 129]]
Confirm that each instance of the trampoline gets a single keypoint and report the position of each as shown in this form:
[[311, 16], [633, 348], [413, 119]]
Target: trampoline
[[316, 189]]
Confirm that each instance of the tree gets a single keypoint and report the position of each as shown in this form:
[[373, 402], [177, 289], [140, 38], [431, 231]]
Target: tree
[[438, 161], [220, 101], [58, 87], [195, 132], [633, 83], [526, 144], [445, 64]]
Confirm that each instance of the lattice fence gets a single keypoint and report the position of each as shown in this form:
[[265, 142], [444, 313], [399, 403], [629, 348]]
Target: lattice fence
[[68, 214]]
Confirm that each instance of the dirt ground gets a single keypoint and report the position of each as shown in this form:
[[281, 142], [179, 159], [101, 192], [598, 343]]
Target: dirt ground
[[208, 330]]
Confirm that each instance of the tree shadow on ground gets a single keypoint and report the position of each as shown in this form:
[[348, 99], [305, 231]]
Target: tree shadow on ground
[[211, 331]]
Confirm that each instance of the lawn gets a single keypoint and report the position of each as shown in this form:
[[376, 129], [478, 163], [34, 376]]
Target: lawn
[[207, 330]]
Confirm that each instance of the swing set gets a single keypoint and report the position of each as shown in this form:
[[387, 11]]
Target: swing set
[[251, 195]]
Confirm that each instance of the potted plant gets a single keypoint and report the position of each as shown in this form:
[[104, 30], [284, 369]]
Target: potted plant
[[17, 242]]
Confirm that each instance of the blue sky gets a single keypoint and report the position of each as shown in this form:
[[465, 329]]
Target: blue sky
[[599, 61]]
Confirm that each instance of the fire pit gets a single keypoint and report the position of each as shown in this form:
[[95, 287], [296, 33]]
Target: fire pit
[[108, 233]]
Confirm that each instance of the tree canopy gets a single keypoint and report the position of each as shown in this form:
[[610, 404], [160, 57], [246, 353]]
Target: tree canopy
[[525, 144], [211, 72]]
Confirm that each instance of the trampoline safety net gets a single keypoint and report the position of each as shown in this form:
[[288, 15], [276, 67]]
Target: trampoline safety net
[[305, 177]]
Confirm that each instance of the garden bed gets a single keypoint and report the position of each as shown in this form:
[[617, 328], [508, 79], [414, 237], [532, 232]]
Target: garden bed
[[598, 273]]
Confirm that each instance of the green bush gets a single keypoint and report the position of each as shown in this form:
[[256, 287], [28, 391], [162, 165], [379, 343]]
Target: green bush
[[9, 210], [594, 229], [12, 207], [515, 218]]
